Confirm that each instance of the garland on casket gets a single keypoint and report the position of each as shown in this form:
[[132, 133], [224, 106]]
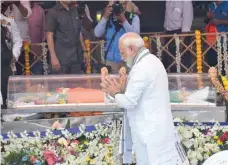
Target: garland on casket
[[99, 144]]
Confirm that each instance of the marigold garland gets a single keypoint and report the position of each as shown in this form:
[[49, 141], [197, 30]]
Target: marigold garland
[[146, 42], [225, 82], [26, 45], [213, 75], [198, 52], [88, 67], [199, 81]]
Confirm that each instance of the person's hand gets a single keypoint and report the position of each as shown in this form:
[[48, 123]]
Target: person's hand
[[215, 22], [108, 11], [121, 17], [111, 86], [55, 63], [86, 58]]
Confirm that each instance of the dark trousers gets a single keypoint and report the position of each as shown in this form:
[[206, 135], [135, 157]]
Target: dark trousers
[[36, 69], [5, 73], [69, 68], [186, 59]]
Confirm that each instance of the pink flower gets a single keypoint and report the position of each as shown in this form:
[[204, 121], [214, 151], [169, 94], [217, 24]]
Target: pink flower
[[56, 125], [75, 142], [50, 157], [106, 140], [32, 159]]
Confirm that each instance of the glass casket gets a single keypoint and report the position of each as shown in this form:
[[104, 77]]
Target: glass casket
[[74, 90]]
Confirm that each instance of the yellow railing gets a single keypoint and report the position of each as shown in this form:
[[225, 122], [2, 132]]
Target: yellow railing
[[193, 51]]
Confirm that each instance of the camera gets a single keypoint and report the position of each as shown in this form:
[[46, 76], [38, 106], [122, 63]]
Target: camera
[[117, 8]]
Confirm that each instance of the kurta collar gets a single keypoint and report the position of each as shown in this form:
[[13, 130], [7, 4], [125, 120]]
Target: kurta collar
[[141, 52]]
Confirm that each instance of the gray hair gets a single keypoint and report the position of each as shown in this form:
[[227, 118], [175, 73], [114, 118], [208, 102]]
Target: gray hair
[[138, 42]]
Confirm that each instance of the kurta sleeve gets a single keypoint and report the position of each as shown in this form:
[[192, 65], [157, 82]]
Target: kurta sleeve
[[16, 38], [137, 83]]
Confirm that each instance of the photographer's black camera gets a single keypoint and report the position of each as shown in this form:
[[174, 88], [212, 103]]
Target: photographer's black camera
[[117, 8]]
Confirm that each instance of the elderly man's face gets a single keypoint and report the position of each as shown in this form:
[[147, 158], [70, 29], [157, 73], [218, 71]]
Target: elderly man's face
[[127, 54]]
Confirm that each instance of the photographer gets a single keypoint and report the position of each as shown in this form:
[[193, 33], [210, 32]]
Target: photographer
[[115, 22]]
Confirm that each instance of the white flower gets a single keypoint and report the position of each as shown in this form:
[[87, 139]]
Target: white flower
[[187, 134], [188, 143], [199, 156], [194, 161]]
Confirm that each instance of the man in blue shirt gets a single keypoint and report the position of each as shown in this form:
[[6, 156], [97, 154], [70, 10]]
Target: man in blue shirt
[[221, 16], [113, 25]]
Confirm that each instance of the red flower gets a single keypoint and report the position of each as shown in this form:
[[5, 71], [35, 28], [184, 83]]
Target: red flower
[[224, 137], [106, 140], [50, 157]]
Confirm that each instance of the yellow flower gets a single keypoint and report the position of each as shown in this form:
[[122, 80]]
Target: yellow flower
[[92, 161], [61, 101], [216, 137], [145, 38], [86, 142], [225, 83], [87, 158], [48, 94], [63, 141], [197, 32], [219, 142], [208, 153], [223, 78]]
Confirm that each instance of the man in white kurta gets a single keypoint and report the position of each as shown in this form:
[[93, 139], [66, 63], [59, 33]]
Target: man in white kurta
[[146, 100]]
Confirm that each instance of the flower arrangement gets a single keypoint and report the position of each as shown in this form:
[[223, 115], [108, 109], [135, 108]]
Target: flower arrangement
[[100, 146], [198, 51], [225, 82], [201, 141], [159, 47], [214, 79], [178, 55], [219, 51], [83, 148]]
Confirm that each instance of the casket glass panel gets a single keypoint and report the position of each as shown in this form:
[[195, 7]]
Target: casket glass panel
[[62, 90]]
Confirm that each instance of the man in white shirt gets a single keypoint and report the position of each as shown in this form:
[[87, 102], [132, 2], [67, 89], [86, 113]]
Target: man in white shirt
[[147, 103], [178, 19]]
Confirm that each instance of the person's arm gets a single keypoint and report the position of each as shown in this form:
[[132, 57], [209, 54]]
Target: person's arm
[[51, 25], [99, 30], [17, 40], [134, 27], [24, 8], [85, 53], [136, 85], [187, 16], [101, 26]]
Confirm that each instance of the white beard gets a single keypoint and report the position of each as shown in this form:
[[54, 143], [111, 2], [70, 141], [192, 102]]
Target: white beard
[[129, 62]]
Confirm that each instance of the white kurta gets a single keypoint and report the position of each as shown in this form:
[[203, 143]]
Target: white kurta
[[147, 102]]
